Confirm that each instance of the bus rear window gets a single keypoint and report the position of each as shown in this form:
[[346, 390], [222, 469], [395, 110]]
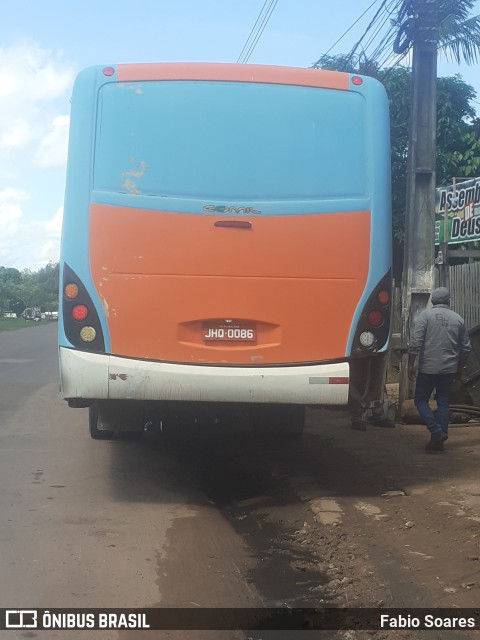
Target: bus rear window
[[241, 141]]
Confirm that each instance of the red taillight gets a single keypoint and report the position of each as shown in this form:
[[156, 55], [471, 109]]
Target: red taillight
[[375, 318], [108, 71], [79, 312], [356, 80]]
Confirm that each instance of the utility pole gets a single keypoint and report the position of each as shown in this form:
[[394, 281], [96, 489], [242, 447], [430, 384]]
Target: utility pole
[[419, 250]]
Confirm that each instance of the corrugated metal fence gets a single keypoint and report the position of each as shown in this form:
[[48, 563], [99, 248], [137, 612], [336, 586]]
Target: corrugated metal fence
[[465, 290]]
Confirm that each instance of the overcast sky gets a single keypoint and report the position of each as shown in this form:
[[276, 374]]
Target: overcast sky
[[44, 43]]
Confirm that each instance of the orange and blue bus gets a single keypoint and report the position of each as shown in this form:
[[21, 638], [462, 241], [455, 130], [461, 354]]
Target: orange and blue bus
[[226, 241]]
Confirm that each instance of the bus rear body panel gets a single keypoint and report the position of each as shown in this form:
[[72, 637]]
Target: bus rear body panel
[[182, 289], [227, 228]]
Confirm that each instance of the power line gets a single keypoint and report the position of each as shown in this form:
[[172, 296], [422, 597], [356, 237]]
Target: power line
[[372, 22], [379, 43], [255, 35], [253, 29], [378, 49], [383, 53], [387, 57], [257, 30], [390, 69], [345, 33]]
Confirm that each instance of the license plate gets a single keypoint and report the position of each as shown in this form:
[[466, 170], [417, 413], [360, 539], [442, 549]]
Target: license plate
[[226, 332]]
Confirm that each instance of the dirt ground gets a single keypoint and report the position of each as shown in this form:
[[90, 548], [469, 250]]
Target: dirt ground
[[400, 527], [344, 518]]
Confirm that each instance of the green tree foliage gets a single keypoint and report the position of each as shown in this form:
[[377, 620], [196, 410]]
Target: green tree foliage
[[458, 143], [10, 279], [458, 31], [22, 289], [458, 130], [47, 282]]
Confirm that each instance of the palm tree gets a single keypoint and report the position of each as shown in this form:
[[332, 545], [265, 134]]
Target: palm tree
[[459, 34], [458, 31]]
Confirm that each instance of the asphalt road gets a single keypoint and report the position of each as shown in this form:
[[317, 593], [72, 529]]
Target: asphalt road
[[88, 523]]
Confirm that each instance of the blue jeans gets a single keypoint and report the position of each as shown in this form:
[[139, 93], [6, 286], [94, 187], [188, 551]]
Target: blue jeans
[[437, 423]]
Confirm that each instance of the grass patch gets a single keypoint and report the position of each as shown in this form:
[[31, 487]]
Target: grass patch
[[10, 324]]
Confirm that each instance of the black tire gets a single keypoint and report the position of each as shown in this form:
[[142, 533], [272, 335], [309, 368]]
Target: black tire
[[284, 420]]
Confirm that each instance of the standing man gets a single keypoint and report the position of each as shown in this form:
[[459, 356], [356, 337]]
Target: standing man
[[440, 340]]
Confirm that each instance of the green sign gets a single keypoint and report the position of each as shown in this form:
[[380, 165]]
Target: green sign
[[458, 207]]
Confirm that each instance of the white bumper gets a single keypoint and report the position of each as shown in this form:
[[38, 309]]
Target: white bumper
[[98, 376]]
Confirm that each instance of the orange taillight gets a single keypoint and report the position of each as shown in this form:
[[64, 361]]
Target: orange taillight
[[71, 291], [383, 297]]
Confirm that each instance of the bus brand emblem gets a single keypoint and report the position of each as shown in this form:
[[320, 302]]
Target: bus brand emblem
[[211, 208]]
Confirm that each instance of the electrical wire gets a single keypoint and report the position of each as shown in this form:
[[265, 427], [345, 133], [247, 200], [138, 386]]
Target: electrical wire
[[375, 28], [379, 48], [372, 22], [384, 51], [319, 61], [261, 30], [389, 57], [252, 31], [377, 24], [386, 54], [257, 30]]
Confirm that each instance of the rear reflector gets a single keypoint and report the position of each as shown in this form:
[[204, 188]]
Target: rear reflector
[[331, 380]]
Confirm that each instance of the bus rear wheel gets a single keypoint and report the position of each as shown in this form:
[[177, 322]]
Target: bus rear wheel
[[284, 420]]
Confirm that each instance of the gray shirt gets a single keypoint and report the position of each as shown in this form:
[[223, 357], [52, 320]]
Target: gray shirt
[[439, 338]]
